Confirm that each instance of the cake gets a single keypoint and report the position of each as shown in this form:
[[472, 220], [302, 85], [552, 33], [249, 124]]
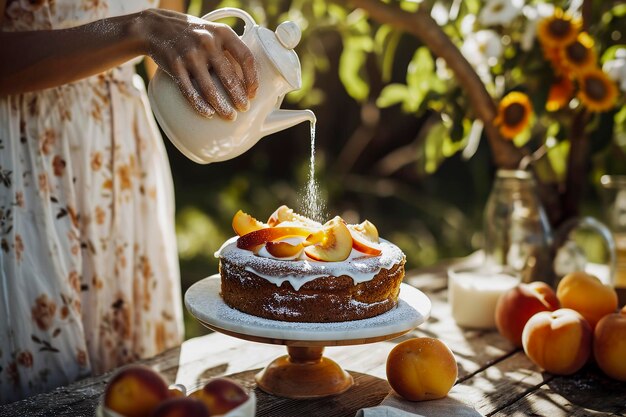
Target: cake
[[295, 269]]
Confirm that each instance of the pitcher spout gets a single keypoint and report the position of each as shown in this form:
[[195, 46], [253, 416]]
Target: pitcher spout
[[280, 119]]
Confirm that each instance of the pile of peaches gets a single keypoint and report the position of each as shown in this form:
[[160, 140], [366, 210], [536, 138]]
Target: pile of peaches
[[561, 331], [138, 391], [329, 242]]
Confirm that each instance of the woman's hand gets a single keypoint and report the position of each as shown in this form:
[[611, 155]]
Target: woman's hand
[[189, 48]]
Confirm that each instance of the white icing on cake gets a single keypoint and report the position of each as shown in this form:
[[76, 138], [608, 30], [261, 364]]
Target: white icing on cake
[[359, 266]]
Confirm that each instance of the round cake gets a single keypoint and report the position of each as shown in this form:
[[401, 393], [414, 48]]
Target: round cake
[[312, 283]]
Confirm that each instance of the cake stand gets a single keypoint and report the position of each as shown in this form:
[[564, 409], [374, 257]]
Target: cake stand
[[304, 372]]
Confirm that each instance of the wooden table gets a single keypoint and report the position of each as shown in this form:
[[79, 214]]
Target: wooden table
[[496, 378]]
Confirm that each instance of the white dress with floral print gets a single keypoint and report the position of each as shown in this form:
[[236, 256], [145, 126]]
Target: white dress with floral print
[[89, 276]]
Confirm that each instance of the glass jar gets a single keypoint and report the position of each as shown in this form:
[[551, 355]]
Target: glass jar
[[517, 232], [518, 235], [614, 198]]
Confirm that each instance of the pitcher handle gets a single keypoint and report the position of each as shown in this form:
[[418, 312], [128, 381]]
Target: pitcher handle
[[601, 229], [225, 12]]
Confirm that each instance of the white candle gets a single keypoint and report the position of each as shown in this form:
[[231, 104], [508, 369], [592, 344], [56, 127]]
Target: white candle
[[473, 294]]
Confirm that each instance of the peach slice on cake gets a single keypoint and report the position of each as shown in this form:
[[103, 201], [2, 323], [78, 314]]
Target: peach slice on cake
[[365, 238], [253, 239], [284, 250], [243, 223], [335, 242], [285, 214]]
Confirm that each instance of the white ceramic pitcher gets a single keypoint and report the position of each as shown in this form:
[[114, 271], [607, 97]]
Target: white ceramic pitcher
[[205, 140]]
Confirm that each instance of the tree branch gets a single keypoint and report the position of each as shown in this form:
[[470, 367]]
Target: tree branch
[[422, 26]]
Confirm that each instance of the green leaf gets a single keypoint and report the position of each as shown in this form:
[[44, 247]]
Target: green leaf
[[389, 54], [557, 155], [351, 63], [472, 6], [337, 12], [381, 36], [319, 8], [362, 42], [409, 6], [386, 42], [195, 7], [609, 54], [619, 10], [414, 100], [420, 67], [433, 147], [391, 95]]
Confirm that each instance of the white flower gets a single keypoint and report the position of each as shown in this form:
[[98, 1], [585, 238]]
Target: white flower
[[482, 50], [500, 12], [467, 24], [442, 69], [616, 68], [440, 13], [533, 14]]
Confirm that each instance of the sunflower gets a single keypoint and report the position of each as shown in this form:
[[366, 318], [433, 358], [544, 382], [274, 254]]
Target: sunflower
[[579, 55], [513, 114], [597, 91], [558, 30], [561, 92]]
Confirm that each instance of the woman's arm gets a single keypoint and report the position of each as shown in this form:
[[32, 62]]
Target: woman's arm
[[177, 6], [183, 46], [43, 59]]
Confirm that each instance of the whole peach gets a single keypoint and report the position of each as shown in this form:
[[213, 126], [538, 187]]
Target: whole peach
[[586, 294], [422, 368], [609, 345], [558, 341], [220, 395], [516, 306], [181, 407], [135, 391]]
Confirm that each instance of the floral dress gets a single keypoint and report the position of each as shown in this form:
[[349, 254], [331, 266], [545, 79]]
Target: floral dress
[[89, 275]]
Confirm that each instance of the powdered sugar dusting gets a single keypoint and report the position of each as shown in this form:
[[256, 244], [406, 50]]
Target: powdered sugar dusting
[[205, 303], [359, 266], [313, 206]]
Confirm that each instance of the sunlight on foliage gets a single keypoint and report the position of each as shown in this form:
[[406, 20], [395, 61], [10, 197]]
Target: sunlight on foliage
[[197, 234]]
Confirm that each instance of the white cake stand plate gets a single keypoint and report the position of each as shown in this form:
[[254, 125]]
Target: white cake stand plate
[[304, 372]]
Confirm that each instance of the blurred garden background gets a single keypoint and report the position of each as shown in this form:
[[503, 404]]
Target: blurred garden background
[[396, 140]]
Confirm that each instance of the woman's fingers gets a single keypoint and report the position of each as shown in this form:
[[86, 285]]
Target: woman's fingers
[[231, 81], [207, 87], [189, 92], [188, 47], [244, 57]]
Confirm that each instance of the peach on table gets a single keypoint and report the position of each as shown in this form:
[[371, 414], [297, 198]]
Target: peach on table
[[516, 306], [421, 369], [558, 341], [609, 345], [586, 294]]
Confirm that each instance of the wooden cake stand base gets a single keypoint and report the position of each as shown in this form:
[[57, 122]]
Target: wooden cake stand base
[[317, 376]]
